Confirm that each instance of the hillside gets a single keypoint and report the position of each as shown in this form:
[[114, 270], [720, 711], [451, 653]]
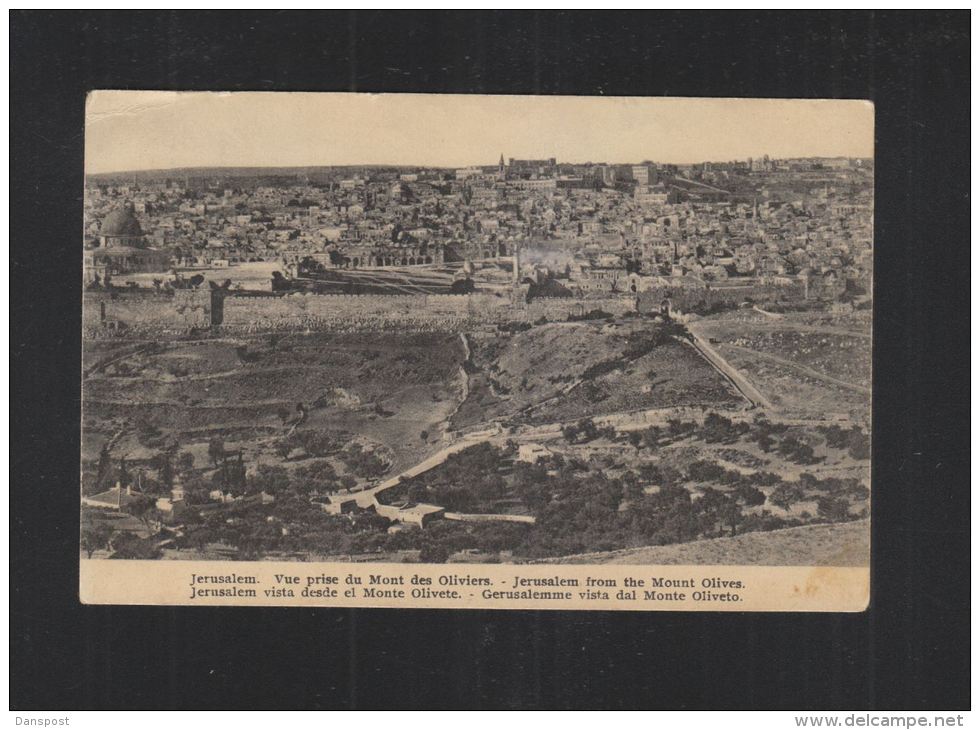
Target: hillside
[[387, 389], [567, 371], [843, 544]]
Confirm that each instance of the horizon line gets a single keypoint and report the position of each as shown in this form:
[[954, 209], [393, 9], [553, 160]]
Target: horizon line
[[457, 167]]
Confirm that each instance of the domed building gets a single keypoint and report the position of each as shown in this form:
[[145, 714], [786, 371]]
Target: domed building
[[121, 228], [122, 248]]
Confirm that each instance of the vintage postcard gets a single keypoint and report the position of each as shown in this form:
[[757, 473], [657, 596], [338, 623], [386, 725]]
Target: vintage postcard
[[451, 351]]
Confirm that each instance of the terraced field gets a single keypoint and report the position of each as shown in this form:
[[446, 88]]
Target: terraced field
[[389, 388]]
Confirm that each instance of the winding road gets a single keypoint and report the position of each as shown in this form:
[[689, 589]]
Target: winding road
[[730, 373]]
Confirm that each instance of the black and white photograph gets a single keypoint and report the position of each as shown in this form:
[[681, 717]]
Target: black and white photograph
[[416, 328]]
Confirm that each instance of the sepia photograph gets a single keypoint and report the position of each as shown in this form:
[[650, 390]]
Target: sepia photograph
[[375, 329]]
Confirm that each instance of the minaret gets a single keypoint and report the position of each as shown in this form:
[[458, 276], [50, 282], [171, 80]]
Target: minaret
[[501, 171], [517, 263]]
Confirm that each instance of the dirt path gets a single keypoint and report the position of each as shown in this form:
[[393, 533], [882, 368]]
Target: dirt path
[[369, 497], [118, 357], [623, 421], [730, 373], [224, 374], [711, 325]]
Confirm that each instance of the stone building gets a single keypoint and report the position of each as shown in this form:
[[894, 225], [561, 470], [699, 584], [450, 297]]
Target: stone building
[[122, 248]]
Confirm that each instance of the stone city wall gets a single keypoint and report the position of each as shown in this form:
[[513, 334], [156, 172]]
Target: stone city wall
[[318, 311], [148, 312], [138, 311], [684, 299], [560, 308]]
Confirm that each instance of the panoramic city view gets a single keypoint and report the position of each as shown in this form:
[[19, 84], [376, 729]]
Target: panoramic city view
[[572, 356]]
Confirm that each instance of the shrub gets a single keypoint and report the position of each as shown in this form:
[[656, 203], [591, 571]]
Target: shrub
[[797, 451], [858, 445], [127, 546], [786, 494], [834, 509], [433, 553]]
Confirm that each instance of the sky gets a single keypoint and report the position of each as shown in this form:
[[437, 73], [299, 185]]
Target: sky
[[143, 130]]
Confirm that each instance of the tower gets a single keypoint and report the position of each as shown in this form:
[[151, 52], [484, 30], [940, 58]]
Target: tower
[[501, 170], [516, 278], [177, 492]]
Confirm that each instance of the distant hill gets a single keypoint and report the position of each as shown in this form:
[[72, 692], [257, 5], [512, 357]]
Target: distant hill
[[240, 172]]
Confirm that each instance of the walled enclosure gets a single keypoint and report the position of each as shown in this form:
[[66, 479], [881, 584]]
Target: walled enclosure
[[181, 311]]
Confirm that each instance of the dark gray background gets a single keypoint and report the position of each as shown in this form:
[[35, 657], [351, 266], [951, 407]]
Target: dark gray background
[[909, 650]]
